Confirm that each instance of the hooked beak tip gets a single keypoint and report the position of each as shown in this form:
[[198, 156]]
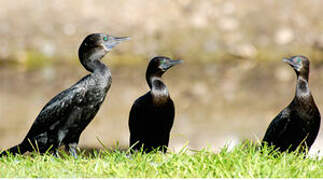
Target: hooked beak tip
[[180, 61]]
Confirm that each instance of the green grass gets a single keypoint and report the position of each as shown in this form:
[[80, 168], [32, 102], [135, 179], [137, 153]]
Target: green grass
[[243, 161]]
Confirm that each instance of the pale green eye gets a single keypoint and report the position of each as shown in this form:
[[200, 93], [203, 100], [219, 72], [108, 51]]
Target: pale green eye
[[105, 38], [298, 60]]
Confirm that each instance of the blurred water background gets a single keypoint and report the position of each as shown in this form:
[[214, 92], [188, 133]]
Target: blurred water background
[[230, 87]]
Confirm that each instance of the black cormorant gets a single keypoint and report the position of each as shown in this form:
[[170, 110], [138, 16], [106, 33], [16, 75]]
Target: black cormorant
[[298, 124], [152, 115], [64, 117]]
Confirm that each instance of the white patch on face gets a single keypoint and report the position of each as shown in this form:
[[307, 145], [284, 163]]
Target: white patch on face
[[105, 48], [298, 68]]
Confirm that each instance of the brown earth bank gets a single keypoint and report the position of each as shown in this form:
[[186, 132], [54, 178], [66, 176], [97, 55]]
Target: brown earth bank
[[216, 103], [200, 30]]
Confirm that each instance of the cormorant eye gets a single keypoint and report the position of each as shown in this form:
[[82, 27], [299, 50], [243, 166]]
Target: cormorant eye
[[105, 38], [298, 60]]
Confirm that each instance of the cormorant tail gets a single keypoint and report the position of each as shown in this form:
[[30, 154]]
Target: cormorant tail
[[18, 149]]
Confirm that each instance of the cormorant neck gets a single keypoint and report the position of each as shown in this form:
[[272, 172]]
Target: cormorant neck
[[158, 90], [95, 66], [304, 73], [91, 60], [150, 77], [156, 84], [302, 88]]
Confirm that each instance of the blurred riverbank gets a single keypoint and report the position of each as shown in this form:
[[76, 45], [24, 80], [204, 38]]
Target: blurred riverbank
[[198, 31]]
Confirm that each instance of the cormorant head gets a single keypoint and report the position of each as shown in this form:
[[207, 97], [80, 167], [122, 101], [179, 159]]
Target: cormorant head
[[160, 64], [96, 45], [299, 63]]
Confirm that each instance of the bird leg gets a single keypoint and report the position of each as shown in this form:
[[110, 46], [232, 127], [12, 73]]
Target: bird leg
[[71, 147]]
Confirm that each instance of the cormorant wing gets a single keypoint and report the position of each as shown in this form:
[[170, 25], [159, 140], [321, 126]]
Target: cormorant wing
[[137, 118], [57, 110], [278, 127], [171, 113]]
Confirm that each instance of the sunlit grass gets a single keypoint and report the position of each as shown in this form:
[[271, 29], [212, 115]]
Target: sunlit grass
[[244, 160]]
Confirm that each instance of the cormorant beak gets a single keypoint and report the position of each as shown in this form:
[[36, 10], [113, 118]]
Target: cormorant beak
[[113, 41], [292, 63], [172, 63]]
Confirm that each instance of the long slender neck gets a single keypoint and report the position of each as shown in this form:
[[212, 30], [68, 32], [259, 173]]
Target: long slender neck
[[157, 85], [303, 97], [90, 58], [302, 88], [95, 66], [159, 90]]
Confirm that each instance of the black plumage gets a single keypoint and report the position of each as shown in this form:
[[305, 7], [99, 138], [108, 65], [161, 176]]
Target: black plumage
[[152, 115], [64, 117], [298, 124]]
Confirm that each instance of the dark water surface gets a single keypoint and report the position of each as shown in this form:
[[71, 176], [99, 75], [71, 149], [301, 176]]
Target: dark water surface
[[215, 103]]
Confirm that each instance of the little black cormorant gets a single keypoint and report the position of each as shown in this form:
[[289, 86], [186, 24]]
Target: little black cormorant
[[152, 115], [64, 117], [298, 124]]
